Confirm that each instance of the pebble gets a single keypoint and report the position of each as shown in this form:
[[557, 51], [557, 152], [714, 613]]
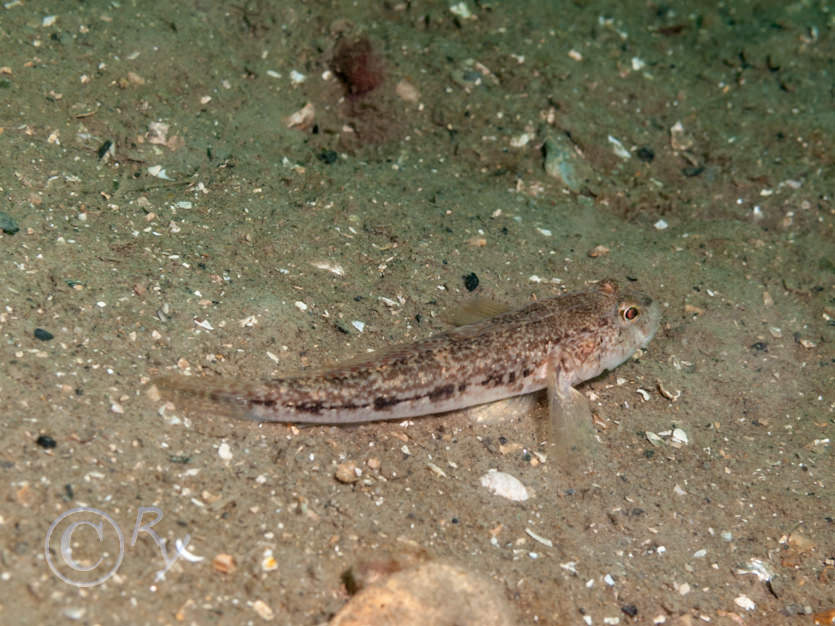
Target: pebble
[[347, 472], [224, 451], [8, 224], [224, 563], [471, 281], [560, 161], [263, 609], [505, 485], [46, 442], [74, 612]]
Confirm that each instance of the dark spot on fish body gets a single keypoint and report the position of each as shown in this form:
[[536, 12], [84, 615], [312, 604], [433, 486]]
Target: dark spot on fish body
[[313, 407], [442, 393], [493, 380], [381, 403]]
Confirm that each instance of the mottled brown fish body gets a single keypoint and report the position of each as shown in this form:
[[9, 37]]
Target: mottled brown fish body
[[565, 339]]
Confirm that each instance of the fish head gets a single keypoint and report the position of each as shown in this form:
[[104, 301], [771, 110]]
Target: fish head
[[636, 319]]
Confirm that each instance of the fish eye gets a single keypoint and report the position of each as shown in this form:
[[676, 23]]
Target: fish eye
[[630, 313]]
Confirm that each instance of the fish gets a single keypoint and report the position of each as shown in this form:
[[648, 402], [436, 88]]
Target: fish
[[554, 343]]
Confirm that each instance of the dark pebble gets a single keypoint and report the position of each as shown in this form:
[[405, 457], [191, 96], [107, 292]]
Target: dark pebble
[[104, 149], [328, 156], [471, 281], [630, 609], [7, 224], [645, 154], [760, 346], [46, 442], [43, 335]]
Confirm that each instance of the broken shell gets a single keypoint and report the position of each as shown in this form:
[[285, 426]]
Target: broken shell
[[679, 438], [654, 439], [672, 396], [301, 119], [679, 140]]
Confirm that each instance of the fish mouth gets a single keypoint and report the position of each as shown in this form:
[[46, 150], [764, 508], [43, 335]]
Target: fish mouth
[[653, 321]]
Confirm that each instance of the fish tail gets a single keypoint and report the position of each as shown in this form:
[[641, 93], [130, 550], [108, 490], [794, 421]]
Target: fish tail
[[223, 397]]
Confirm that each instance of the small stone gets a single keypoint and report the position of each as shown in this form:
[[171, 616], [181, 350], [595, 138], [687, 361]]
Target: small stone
[[74, 613], [471, 281], [224, 451], [406, 91], [268, 563], [46, 442], [505, 485], [347, 472], [645, 154], [263, 609], [224, 563], [7, 224], [561, 161]]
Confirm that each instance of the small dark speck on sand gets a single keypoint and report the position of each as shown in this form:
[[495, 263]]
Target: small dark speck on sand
[[328, 156], [46, 442], [471, 281], [43, 335], [645, 154]]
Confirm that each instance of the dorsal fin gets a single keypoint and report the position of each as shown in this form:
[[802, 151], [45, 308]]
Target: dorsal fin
[[475, 310]]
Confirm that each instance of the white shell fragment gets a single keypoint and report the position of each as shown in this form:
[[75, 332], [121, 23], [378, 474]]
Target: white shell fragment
[[544, 541], [758, 568], [672, 396], [159, 172], [333, 268], [619, 149], [745, 602], [654, 439], [224, 451], [301, 119], [679, 438], [461, 10], [505, 485]]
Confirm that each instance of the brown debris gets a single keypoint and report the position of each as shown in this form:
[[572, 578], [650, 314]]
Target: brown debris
[[358, 66]]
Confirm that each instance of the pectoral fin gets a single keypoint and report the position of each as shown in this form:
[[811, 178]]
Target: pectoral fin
[[572, 436]]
